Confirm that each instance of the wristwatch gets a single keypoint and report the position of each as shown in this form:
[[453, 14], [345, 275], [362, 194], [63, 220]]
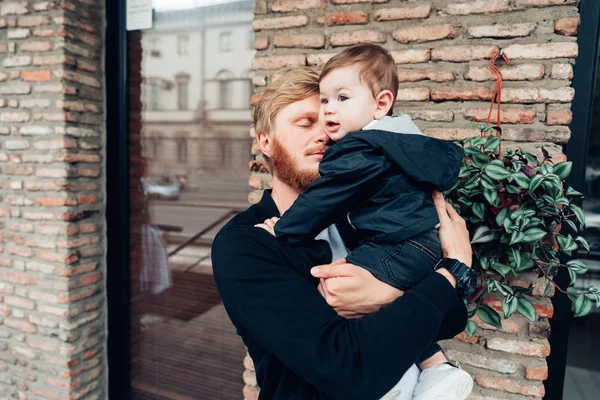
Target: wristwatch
[[466, 279]]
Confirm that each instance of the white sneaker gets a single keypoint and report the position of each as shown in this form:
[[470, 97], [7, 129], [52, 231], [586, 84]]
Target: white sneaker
[[443, 382]]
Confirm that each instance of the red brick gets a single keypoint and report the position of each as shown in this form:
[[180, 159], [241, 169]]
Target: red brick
[[523, 72], [536, 373], [529, 348], [296, 5], [567, 26], [508, 325], [461, 94], [490, 362], [508, 115], [425, 33], [542, 51], [45, 393], [358, 1], [279, 22], [20, 325], [14, 117], [318, 60], [416, 75], [391, 14], [477, 7], [356, 37], [14, 8], [501, 31], [464, 337], [38, 46], [304, 41], [344, 18], [535, 95], [559, 117], [250, 393], [413, 94], [279, 61], [261, 42], [19, 302], [36, 76], [543, 308], [432, 115], [18, 33], [411, 56], [510, 385], [562, 71], [452, 133], [543, 3], [463, 53], [248, 363]]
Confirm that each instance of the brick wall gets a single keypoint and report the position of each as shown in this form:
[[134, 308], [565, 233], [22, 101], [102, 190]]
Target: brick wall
[[442, 48], [52, 297]]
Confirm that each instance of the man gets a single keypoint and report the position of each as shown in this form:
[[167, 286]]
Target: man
[[300, 331]]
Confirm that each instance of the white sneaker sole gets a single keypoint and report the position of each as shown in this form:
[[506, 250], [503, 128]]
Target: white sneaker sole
[[449, 389]]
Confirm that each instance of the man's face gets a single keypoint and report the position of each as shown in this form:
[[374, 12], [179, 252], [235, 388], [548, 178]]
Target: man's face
[[298, 143]]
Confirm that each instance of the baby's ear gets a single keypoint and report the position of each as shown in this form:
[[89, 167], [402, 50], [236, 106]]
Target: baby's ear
[[384, 103]]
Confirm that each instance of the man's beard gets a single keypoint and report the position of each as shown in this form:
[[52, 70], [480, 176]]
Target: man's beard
[[284, 166]]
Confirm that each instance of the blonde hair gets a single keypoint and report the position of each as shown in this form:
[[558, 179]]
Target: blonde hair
[[291, 85], [375, 65]]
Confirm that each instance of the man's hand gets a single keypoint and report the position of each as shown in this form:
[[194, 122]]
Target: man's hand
[[268, 225], [351, 290], [454, 235]]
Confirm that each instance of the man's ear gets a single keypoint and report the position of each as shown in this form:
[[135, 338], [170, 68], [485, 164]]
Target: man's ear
[[384, 102], [265, 141]]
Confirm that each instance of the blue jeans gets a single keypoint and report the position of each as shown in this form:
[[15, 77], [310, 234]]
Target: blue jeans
[[402, 265]]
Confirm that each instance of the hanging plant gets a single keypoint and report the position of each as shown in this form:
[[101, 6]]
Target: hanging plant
[[522, 217]]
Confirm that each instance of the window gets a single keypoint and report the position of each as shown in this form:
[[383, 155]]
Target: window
[[183, 42], [224, 95], [225, 42], [181, 150], [153, 44], [153, 94], [182, 95]]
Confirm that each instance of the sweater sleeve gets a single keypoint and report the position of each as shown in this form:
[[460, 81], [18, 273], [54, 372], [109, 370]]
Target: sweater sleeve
[[347, 169], [270, 302]]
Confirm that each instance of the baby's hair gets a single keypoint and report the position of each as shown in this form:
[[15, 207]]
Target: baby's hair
[[375, 65]]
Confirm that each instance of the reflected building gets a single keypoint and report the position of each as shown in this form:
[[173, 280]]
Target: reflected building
[[196, 92]]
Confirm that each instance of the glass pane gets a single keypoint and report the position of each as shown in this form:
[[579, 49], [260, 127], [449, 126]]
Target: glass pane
[[189, 175], [583, 372]]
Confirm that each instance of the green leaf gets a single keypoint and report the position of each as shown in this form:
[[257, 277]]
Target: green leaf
[[548, 289], [491, 196], [578, 266], [516, 257], [553, 189], [526, 309], [478, 210], [531, 158], [471, 328], [579, 214], [566, 244], [521, 179], [572, 192], [563, 169], [502, 269], [516, 237], [509, 305], [501, 216], [583, 305], [483, 234], [535, 183], [534, 234], [546, 169], [514, 189], [572, 225], [489, 316], [492, 143], [581, 240], [496, 172]]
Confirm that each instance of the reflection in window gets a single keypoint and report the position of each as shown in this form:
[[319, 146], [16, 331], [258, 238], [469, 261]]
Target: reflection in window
[[181, 150], [225, 42], [153, 93], [183, 42], [182, 95]]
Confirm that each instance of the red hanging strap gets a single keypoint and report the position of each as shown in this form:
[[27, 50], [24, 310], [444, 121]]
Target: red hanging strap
[[497, 95]]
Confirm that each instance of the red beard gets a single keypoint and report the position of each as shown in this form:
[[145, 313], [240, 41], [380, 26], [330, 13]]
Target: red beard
[[285, 168]]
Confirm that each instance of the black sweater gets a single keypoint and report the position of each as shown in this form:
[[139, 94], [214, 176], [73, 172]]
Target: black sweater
[[381, 182], [301, 348]]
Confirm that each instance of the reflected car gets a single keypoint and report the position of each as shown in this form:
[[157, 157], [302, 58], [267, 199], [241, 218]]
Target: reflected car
[[162, 191]]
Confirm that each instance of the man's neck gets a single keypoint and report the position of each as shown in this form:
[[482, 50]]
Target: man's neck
[[283, 195]]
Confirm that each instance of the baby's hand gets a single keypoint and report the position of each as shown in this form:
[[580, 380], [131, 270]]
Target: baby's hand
[[268, 225]]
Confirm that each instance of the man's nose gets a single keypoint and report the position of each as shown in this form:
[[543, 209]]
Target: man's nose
[[319, 135]]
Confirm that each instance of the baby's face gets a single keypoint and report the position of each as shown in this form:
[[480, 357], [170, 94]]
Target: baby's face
[[347, 104]]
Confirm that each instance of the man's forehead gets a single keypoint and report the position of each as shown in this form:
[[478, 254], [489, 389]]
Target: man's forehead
[[306, 107]]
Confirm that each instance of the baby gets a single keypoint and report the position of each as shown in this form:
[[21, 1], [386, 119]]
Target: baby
[[377, 179]]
